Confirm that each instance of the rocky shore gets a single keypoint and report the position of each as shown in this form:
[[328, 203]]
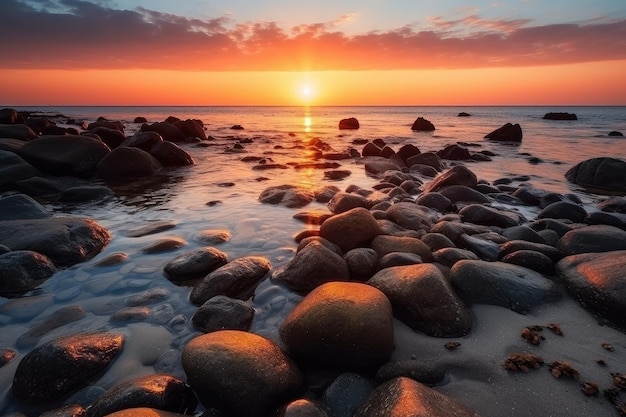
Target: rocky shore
[[430, 255]]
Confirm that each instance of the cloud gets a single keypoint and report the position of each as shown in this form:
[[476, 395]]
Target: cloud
[[75, 34]]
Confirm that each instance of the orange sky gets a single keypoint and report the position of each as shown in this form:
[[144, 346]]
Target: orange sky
[[89, 54]]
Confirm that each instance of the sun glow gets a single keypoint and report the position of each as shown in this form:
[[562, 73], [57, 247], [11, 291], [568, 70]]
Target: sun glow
[[306, 93]]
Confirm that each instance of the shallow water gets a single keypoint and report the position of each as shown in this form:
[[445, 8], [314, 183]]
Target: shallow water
[[221, 192]]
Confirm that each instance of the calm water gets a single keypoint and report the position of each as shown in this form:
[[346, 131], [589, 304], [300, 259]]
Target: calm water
[[233, 187]]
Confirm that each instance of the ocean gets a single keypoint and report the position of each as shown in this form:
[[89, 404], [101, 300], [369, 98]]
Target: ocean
[[220, 192]]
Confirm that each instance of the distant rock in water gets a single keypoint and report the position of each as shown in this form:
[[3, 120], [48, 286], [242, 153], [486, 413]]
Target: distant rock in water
[[422, 125], [350, 123], [560, 116], [140, 119], [507, 133], [463, 114], [616, 133], [602, 173]]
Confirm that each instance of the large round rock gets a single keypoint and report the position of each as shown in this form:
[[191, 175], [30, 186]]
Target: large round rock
[[62, 366], [603, 173], [240, 373], [23, 270], [341, 324], [124, 163], [351, 229], [598, 238]]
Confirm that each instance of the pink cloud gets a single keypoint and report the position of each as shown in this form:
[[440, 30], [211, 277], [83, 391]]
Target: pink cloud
[[90, 36]]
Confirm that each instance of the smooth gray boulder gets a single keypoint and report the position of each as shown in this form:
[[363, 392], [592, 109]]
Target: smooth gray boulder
[[14, 168], [599, 173], [597, 238], [23, 270], [125, 163]]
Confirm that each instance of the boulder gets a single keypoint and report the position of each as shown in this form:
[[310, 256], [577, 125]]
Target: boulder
[[74, 155], [403, 397], [361, 263], [351, 229], [346, 394], [615, 133], [463, 114], [143, 140], [195, 263], [412, 216], [457, 175], [109, 124], [10, 116], [171, 155], [23, 270], [13, 169], [436, 201], [111, 137], [341, 324], [384, 244], [427, 158], [313, 265], [484, 248], [564, 210], [560, 116], [240, 373], [17, 131], [302, 408], [488, 216], [507, 133], [138, 412], [191, 128], [371, 149], [84, 193], [599, 173], [342, 202], [291, 196], [407, 151], [223, 313], [498, 283], [450, 256], [350, 123], [65, 240], [597, 238], [127, 163], [236, 279], [424, 300], [530, 259], [423, 125], [160, 391], [167, 131], [21, 206], [598, 282], [454, 152], [59, 367], [462, 193]]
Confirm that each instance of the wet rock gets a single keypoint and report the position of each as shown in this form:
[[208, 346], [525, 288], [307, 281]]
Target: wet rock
[[361, 263], [17, 131], [436, 201], [236, 279], [522, 232], [530, 259], [342, 202], [350, 123], [312, 266], [450, 256], [377, 167], [125, 163], [314, 217], [515, 245], [437, 241], [149, 296], [145, 412], [131, 314], [351, 229], [395, 397], [143, 140], [191, 128], [384, 244], [111, 137], [392, 259], [223, 313], [62, 366], [423, 299], [423, 125], [430, 159], [462, 193], [168, 131], [507, 133], [560, 116], [346, 393], [550, 224], [6, 356], [615, 133], [72, 410], [239, 373], [599, 238], [563, 210], [287, 195], [13, 168], [479, 214], [457, 175], [454, 152], [65, 240], [109, 124], [213, 236], [302, 408], [530, 195], [371, 149], [341, 324], [610, 219], [164, 245], [498, 283], [171, 155], [407, 151], [601, 173], [485, 249], [337, 174], [23, 270], [597, 281], [195, 263], [149, 228], [160, 391], [86, 193], [55, 320], [412, 216]]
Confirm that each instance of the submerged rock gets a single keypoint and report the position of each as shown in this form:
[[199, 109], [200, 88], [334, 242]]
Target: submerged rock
[[422, 124], [23, 270], [349, 123], [507, 133], [291, 196], [195, 263], [223, 313], [599, 173], [560, 116]]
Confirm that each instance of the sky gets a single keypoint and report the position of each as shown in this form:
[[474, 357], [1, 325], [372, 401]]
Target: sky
[[326, 52]]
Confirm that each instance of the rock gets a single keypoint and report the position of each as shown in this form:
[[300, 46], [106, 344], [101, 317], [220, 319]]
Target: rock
[[560, 116], [312, 266], [419, 370], [450, 256], [54, 320], [240, 373], [171, 155], [614, 204], [436, 241], [463, 114], [86, 193], [74, 155], [195, 263], [436, 201], [457, 175], [223, 313], [598, 282], [351, 229], [72, 410], [346, 393], [361, 263], [371, 149], [337, 174], [611, 219], [131, 314], [150, 228], [167, 131], [143, 140], [530, 259], [291, 196], [164, 245], [378, 166], [213, 236], [111, 137], [515, 245], [302, 408], [127, 163], [65, 240], [145, 412], [384, 244], [479, 214], [23, 270], [407, 151], [402, 397], [191, 128], [392, 259], [498, 283], [160, 391], [10, 116], [13, 169], [485, 249], [423, 299], [506, 133], [62, 366], [462, 193], [342, 202], [599, 238], [599, 173], [21, 206], [427, 158], [17, 131], [341, 324], [236, 279], [423, 125], [412, 216], [522, 232], [564, 210], [6, 356], [109, 124], [615, 133], [454, 152], [350, 123]]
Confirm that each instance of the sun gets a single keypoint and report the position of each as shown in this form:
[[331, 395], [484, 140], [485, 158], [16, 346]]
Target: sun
[[306, 92]]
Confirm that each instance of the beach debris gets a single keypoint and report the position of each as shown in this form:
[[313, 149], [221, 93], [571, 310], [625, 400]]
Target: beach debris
[[452, 345], [523, 362], [619, 380], [531, 335], [601, 362], [556, 329], [612, 395], [559, 369], [607, 346], [590, 389]]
